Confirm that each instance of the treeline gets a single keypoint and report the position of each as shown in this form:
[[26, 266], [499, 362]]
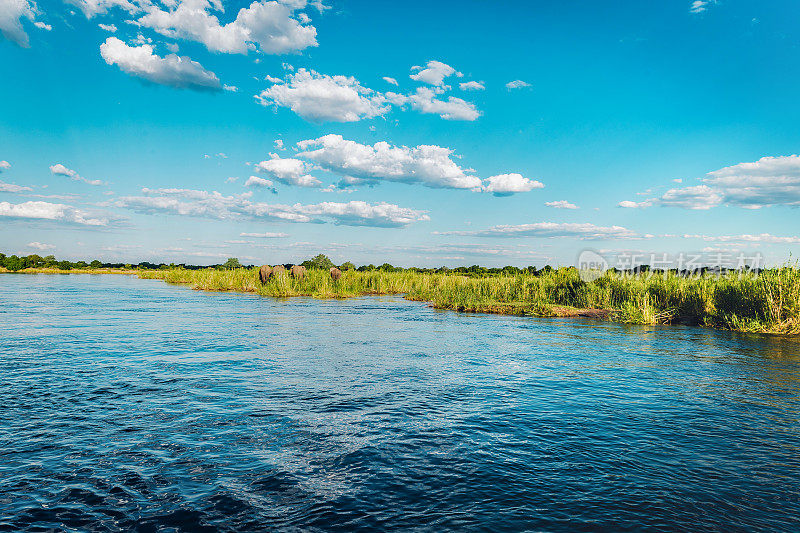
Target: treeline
[[15, 263], [321, 262]]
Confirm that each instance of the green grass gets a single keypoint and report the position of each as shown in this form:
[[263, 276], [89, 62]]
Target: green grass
[[768, 302]]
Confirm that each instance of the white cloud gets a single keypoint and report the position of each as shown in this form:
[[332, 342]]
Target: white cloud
[[92, 8], [60, 170], [392, 81], [260, 183], [584, 231], [266, 235], [13, 188], [517, 84], [172, 70], [40, 246], [289, 171], [762, 238], [508, 184], [279, 144], [206, 204], [11, 14], [427, 164], [424, 100], [698, 6], [270, 27], [561, 204], [43, 26], [770, 181], [49, 211], [319, 97], [434, 73], [230, 88], [4, 165], [272, 79], [472, 86], [108, 27], [255, 181]]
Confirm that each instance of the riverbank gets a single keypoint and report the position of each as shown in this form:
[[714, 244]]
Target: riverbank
[[765, 303], [70, 271]]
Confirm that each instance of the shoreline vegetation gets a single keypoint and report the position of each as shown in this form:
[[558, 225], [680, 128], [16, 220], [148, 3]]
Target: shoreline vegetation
[[767, 302], [764, 301]]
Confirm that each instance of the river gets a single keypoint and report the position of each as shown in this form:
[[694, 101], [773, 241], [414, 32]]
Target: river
[[135, 405]]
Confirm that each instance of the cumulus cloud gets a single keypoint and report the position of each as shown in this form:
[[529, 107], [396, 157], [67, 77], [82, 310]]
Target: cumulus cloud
[[269, 27], [206, 204], [40, 246], [472, 86], [53, 212], [4, 165], [261, 183], [91, 8], [108, 27], [517, 84], [60, 170], [561, 204], [508, 184], [172, 70], [428, 165], [425, 100], [11, 14], [289, 171], [13, 188], [434, 73], [392, 81], [584, 231], [42, 26], [319, 97], [770, 181]]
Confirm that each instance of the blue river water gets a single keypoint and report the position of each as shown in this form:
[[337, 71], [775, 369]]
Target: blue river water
[[133, 405]]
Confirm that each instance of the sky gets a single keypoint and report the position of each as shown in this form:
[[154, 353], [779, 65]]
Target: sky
[[414, 133]]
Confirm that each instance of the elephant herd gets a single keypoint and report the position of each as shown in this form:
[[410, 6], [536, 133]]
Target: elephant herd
[[296, 271]]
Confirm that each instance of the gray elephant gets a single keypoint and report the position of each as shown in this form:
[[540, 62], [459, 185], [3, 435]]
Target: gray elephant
[[298, 271], [335, 274], [264, 273]]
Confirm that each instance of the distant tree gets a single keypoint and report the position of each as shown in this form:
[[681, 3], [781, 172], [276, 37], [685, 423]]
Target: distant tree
[[319, 261], [95, 264], [232, 263], [81, 264], [50, 261], [347, 265], [14, 263], [65, 265]]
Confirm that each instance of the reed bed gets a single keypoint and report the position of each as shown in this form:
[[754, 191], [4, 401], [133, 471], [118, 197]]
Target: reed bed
[[766, 302]]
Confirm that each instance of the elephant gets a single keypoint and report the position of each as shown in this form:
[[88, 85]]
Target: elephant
[[335, 274], [298, 271], [264, 273], [278, 270]]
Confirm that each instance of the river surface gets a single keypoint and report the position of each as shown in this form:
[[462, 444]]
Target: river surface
[[133, 405]]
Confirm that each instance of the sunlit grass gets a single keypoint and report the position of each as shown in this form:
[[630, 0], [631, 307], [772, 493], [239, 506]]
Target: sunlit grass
[[767, 302]]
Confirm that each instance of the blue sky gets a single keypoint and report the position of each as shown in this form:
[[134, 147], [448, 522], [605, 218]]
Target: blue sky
[[507, 132]]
